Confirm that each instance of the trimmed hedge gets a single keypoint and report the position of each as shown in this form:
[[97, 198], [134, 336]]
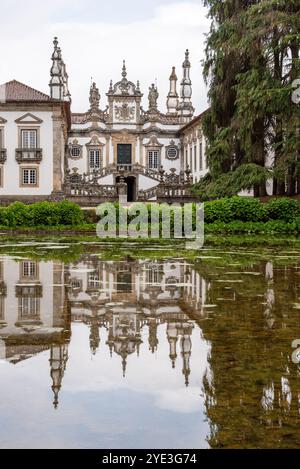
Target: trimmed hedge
[[237, 214], [248, 209], [41, 214]]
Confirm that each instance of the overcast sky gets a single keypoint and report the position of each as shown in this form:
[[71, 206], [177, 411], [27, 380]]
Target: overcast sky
[[96, 35]]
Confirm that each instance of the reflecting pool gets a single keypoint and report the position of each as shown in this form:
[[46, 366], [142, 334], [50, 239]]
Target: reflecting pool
[[131, 349]]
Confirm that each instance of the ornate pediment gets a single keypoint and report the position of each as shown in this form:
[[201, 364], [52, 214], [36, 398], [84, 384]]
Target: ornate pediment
[[95, 141], [124, 87], [153, 142], [28, 119]]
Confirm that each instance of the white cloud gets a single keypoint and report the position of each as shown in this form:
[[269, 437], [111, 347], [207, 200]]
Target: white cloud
[[96, 49]]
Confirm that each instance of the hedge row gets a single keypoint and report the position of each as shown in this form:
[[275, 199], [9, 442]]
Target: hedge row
[[223, 211], [41, 214], [248, 227], [251, 210]]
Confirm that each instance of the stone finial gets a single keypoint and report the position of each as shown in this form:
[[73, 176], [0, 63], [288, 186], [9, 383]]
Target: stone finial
[[124, 71]]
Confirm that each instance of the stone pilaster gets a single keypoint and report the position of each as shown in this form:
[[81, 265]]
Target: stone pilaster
[[58, 150]]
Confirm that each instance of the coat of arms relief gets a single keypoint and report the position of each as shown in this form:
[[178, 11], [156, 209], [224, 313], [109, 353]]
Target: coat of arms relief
[[125, 112]]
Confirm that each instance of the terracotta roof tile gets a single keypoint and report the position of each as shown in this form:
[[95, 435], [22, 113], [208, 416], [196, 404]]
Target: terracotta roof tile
[[13, 91]]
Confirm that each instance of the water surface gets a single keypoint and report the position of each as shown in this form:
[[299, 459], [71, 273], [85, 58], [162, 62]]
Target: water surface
[[148, 348]]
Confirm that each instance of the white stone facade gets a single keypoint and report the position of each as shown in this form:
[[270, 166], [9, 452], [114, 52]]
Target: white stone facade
[[45, 147]]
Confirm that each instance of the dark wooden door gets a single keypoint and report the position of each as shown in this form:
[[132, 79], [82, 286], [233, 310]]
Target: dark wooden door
[[124, 154]]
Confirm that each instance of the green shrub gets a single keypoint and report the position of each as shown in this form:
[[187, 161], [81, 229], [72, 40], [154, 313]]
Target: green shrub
[[18, 214], [217, 210], [251, 209], [45, 213], [3, 216], [283, 209], [70, 213]]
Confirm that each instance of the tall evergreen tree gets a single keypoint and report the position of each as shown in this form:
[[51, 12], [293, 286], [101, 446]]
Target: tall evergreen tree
[[252, 127]]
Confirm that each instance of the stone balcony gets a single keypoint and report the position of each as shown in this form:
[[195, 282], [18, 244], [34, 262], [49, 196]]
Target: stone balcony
[[29, 155], [3, 155]]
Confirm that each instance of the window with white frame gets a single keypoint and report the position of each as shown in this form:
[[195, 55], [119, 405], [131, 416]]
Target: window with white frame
[[94, 280], [153, 275], [191, 158], [29, 307], [186, 158], [1, 139], [195, 157], [1, 176], [29, 176], [95, 158], [153, 159], [29, 269], [29, 138]]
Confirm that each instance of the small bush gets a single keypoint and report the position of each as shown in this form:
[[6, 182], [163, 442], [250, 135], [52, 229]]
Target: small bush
[[18, 214], [70, 213], [283, 209]]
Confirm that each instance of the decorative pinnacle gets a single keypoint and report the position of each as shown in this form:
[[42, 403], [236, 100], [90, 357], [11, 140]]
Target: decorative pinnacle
[[124, 72], [187, 59], [173, 74], [55, 42]]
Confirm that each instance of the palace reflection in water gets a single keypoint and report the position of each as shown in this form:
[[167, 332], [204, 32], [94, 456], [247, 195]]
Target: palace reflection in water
[[246, 317], [39, 300]]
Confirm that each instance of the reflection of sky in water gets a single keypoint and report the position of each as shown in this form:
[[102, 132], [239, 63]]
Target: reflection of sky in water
[[150, 407]]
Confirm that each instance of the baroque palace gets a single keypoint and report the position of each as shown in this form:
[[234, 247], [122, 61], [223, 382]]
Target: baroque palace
[[48, 152]]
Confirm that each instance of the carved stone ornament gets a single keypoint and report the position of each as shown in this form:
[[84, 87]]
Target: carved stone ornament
[[125, 113], [75, 150], [172, 151], [153, 142], [95, 142]]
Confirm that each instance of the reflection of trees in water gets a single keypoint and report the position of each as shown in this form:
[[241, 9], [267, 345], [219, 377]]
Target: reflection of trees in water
[[252, 390]]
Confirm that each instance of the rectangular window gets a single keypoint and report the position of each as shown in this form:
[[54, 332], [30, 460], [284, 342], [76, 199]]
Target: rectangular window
[[191, 158], [195, 158], [153, 275], [29, 269], [29, 139], [29, 307], [124, 154], [29, 177], [94, 280], [201, 156], [1, 176], [95, 159], [186, 159], [153, 157], [1, 139]]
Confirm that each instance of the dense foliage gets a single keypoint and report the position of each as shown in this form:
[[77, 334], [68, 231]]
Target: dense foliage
[[252, 62], [41, 214]]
